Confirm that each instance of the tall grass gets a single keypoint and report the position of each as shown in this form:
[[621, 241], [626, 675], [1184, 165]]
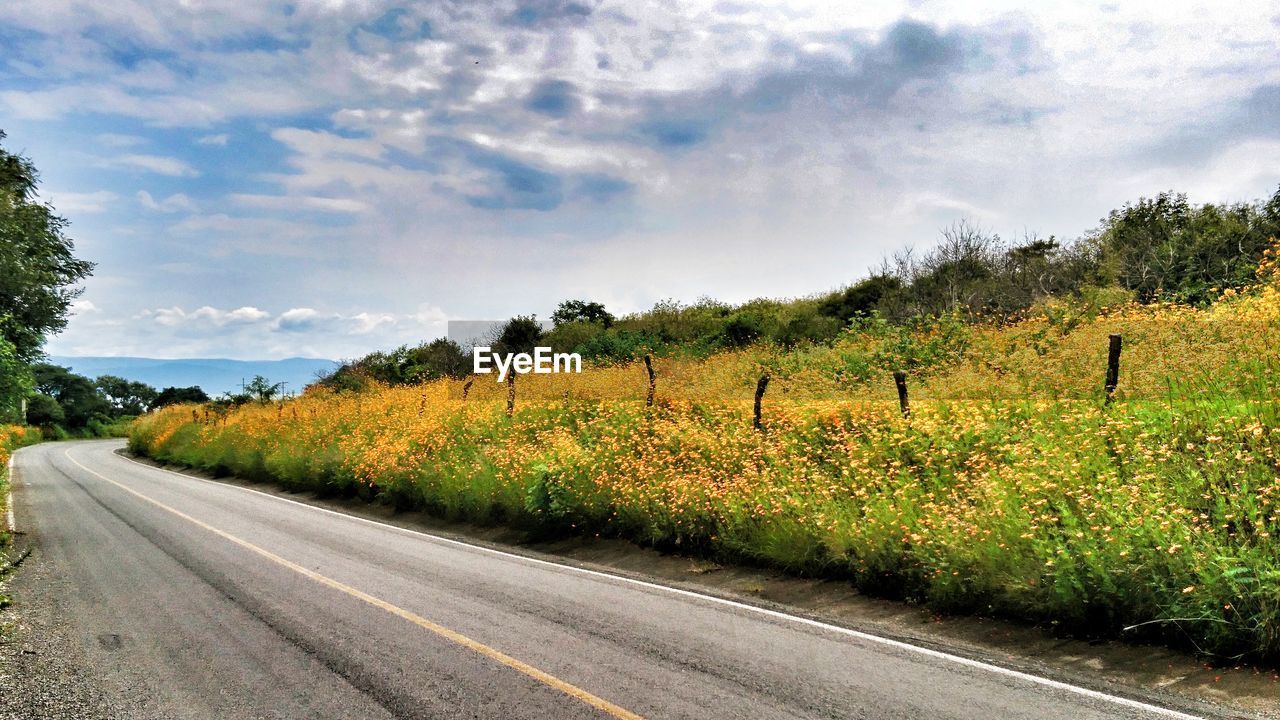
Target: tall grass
[[1010, 489]]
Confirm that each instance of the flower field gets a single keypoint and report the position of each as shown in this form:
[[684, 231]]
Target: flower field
[[1011, 489]]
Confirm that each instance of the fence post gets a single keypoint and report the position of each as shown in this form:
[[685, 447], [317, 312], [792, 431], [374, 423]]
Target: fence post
[[1113, 367], [760, 386], [653, 380], [900, 379], [511, 394], [466, 387]]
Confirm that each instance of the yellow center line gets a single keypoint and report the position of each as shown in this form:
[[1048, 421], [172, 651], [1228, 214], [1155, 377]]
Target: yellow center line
[[444, 632]]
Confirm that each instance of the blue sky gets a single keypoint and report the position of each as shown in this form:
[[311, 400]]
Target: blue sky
[[269, 179]]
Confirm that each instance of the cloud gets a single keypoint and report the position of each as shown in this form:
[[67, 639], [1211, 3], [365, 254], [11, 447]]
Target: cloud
[[507, 155], [282, 202], [537, 13], [601, 187], [160, 165], [117, 140], [519, 185], [177, 202], [83, 307], [206, 315], [90, 202], [553, 98]]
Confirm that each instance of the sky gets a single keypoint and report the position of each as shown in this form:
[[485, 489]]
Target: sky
[[266, 179]]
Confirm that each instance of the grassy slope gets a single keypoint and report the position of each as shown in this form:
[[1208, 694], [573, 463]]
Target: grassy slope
[[1011, 489]]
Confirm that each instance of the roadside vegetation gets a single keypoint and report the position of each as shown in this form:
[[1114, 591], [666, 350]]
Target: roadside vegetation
[[12, 437], [1012, 487]]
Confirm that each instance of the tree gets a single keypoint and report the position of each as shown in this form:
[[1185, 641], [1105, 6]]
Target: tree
[[262, 389], [38, 271], [439, 358], [76, 394], [521, 334], [127, 397], [16, 383], [1166, 246], [43, 411], [571, 311], [859, 299], [175, 395]]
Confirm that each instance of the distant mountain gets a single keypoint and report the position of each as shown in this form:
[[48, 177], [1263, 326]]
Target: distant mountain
[[214, 376]]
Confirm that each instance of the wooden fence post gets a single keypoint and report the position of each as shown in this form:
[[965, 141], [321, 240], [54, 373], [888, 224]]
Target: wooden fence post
[[511, 394], [653, 380], [760, 386], [1113, 367], [900, 379]]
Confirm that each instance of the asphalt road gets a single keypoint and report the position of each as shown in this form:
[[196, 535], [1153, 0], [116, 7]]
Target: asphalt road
[[182, 597]]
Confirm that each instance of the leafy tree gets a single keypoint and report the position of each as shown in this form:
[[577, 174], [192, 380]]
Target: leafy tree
[[403, 366], [860, 299], [16, 383], [78, 396], [521, 334], [127, 397], [1166, 246], [262, 389], [571, 311], [43, 411], [175, 395], [439, 358], [740, 329], [38, 271]]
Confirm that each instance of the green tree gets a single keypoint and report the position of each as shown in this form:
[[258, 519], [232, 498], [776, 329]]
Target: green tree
[[45, 412], [38, 271], [571, 311], [16, 383], [175, 395], [127, 397], [439, 358], [80, 399], [860, 299], [520, 334], [262, 389]]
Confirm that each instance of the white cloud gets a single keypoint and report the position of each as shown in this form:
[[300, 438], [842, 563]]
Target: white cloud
[[299, 202], [161, 165], [755, 148], [206, 315], [178, 202], [91, 202], [119, 141]]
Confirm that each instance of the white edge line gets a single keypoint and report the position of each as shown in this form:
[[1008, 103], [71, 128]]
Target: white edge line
[[8, 500], [861, 635]]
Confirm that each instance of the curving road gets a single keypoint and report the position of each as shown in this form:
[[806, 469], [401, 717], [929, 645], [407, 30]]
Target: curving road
[[184, 597]]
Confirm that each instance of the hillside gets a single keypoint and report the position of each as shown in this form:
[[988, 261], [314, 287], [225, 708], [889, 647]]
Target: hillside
[[213, 375]]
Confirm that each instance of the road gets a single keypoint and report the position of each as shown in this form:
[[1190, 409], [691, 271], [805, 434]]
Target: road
[[191, 598]]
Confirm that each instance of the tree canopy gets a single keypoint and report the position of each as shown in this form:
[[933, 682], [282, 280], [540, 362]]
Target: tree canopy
[[38, 270]]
